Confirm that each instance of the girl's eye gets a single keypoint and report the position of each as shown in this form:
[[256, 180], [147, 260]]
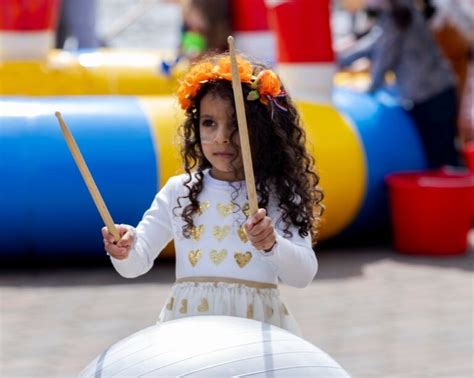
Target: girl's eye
[[207, 123]]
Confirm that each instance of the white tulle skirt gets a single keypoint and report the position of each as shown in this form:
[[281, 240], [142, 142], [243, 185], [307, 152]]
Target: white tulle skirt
[[229, 299]]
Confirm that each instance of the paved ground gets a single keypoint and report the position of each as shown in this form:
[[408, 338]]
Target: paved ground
[[378, 313]]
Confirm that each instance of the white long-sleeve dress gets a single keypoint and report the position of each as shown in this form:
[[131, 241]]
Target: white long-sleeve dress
[[218, 271]]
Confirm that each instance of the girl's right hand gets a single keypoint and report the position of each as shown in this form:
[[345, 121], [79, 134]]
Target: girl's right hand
[[118, 250]]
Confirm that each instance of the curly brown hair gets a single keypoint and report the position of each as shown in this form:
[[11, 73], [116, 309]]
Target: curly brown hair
[[282, 165]]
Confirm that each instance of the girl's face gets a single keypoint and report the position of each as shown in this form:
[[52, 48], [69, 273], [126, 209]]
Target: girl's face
[[216, 128]]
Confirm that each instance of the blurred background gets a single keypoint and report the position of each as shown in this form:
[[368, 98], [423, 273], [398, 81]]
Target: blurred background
[[158, 27], [394, 294]]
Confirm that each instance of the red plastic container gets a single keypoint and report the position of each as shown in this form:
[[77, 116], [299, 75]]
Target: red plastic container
[[469, 155], [432, 212]]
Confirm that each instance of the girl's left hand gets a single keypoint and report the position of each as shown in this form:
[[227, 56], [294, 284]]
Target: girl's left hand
[[260, 231]]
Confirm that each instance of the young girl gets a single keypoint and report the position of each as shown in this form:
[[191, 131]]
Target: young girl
[[228, 262]]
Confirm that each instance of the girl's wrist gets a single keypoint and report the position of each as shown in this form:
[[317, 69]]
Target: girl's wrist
[[268, 250]]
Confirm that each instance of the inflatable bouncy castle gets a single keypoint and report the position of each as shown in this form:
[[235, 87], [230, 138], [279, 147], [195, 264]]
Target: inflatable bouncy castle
[[124, 117]]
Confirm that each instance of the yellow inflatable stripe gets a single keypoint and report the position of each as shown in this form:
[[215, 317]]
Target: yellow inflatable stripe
[[340, 162], [165, 117], [106, 71]]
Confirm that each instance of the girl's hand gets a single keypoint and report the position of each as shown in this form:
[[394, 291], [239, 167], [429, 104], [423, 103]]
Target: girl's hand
[[120, 249], [260, 231]]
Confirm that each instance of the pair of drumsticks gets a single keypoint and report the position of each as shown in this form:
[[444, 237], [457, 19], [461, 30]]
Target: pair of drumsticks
[[244, 143]]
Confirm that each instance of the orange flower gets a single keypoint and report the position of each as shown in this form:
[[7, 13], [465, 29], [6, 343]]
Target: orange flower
[[184, 101], [225, 71], [192, 82], [199, 73], [268, 83]]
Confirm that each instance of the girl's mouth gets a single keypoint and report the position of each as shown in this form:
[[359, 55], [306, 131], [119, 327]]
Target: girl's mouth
[[225, 155]]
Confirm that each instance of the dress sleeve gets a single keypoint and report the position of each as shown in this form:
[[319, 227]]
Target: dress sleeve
[[152, 234], [292, 257]]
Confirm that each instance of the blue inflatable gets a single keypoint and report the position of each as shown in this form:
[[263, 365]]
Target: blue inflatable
[[129, 146], [390, 143]]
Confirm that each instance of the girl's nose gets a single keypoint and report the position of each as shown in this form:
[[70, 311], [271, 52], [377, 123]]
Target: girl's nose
[[222, 135]]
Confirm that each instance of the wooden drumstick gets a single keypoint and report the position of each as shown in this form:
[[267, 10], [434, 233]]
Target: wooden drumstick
[[243, 131], [86, 175]]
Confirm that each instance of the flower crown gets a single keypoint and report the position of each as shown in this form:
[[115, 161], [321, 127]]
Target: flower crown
[[265, 86]]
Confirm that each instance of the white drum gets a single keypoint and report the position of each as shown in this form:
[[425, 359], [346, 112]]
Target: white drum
[[213, 346]]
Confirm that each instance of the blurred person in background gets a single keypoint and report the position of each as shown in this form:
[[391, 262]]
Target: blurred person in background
[[401, 42], [77, 20], [452, 41], [454, 44], [206, 26], [362, 17]]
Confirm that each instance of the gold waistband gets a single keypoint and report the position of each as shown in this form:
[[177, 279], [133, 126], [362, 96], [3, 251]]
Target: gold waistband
[[216, 280]]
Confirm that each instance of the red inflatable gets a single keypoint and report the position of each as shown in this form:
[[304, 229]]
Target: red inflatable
[[24, 15]]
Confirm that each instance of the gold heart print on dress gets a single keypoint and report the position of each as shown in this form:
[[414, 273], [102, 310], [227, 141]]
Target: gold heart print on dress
[[218, 257], [194, 256], [268, 312], [197, 231], [220, 233], [225, 210], [242, 234], [250, 311], [170, 304], [242, 259], [246, 209], [203, 206], [184, 306], [203, 306]]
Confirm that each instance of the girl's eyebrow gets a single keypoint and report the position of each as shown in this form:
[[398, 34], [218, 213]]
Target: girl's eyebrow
[[206, 116]]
